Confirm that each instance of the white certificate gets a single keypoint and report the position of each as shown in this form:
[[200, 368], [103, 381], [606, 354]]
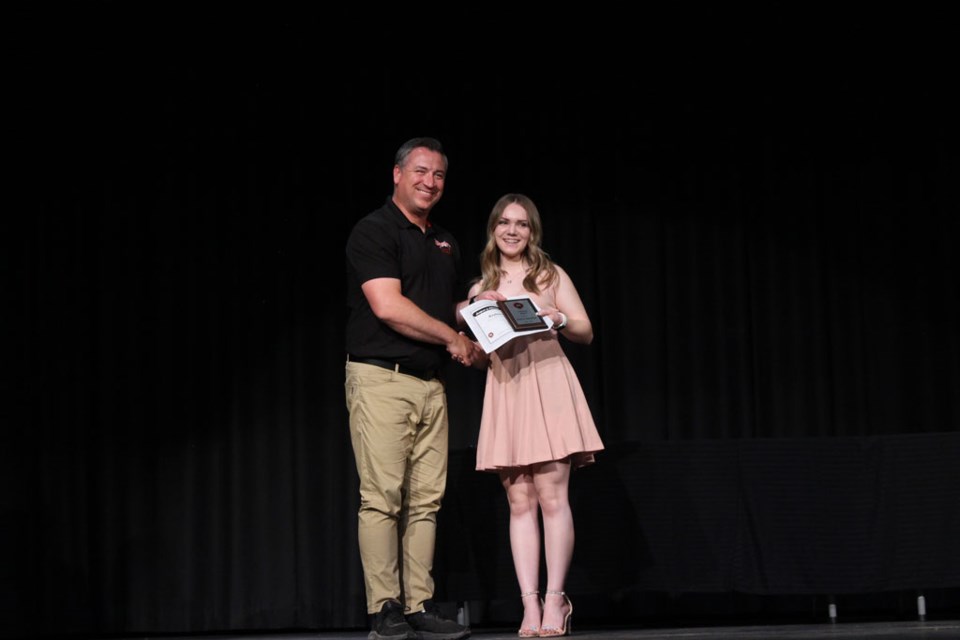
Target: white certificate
[[492, 322]]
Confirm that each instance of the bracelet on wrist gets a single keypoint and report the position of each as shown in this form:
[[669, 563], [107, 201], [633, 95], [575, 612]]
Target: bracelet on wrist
[[563, 322]]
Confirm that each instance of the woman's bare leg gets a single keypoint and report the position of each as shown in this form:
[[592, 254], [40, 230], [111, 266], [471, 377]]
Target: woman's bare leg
[[524, 540], [552, 481]]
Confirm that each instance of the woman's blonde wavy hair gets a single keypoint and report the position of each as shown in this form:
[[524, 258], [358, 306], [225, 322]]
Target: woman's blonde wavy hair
[[542, 272]]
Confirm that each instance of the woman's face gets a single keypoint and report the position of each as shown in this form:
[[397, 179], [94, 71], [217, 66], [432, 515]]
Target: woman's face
[[512, 232]]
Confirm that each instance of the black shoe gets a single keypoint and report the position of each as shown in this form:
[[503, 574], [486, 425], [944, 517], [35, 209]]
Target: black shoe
[[428, 625], [390, 624]]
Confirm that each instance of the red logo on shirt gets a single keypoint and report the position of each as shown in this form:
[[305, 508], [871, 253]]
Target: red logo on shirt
[[444, 246]]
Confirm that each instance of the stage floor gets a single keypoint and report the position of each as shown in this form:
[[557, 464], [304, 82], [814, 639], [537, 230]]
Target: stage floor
[[839, 630]]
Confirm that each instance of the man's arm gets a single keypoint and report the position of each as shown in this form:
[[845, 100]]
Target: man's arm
[[405, 317]]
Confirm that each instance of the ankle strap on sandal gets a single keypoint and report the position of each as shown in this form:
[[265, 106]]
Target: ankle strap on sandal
[[529, 593]]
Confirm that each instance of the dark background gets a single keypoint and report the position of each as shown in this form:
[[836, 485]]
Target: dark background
[[758, 212]]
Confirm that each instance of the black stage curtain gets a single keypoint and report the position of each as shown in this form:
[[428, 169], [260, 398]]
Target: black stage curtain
[[770, 263]]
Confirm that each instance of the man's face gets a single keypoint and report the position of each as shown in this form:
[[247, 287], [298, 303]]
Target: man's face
[[419, 182]]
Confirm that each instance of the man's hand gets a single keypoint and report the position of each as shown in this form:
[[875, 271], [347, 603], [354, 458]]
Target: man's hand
[[464, 350]]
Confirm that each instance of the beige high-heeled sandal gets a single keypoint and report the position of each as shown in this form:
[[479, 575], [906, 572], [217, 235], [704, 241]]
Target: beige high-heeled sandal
[[530, 632], [552, 632]]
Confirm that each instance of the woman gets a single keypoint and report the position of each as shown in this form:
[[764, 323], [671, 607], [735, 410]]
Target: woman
[[536, 426]]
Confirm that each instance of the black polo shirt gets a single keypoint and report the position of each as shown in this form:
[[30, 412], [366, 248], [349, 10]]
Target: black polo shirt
[[384, 244]]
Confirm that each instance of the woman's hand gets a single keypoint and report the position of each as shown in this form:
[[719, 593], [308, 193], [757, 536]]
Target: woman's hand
[[556, 316], [488, 295]]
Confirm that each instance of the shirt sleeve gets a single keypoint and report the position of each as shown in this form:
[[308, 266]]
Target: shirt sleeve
[[373, 252]]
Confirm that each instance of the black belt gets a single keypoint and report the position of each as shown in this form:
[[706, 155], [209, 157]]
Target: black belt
[[428, 374]]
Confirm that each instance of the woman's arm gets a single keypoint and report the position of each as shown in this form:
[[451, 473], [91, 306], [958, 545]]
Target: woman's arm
[[570, 310]]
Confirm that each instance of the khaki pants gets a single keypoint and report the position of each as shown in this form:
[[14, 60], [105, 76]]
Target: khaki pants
[[398, 427]]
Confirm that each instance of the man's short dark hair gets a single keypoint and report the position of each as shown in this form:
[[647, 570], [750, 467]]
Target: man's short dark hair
[[415, 143]]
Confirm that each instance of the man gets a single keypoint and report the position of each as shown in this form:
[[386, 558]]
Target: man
[[404, 282]]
